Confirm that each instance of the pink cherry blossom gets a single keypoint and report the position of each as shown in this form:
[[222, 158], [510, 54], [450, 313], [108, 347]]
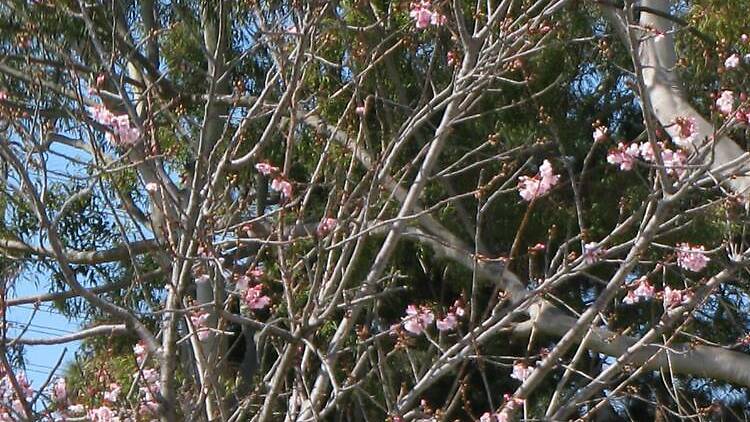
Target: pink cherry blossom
[[743, 115], [102, 414], [360, 110], [691, 258], [732, 61], [531, 188], [121, 122], [725, 103], [113, 393], [255, 299], [644, 291], [3, 95], [150, 375], [417, 319], [23, 383], [200, 323], [630, 298], [686, 131], [149, 408], [458, 308], [76, 408], [623, 155], [521, 371], [266, 169], [502, 416], [281, 185], [600, 134], [672, 298], [674, 162], [592, 253], [123, 134], [326, 226], [129, 136], [487, 417], [448, 322], [101, 115], [59, 391], [256, 272], [647, 151], [140, 353], [424, 16]]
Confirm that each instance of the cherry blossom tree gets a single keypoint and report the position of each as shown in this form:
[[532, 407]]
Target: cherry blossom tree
[[376, 210]]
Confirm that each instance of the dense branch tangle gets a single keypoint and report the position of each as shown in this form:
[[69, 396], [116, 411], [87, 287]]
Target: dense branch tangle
[[290, 177]]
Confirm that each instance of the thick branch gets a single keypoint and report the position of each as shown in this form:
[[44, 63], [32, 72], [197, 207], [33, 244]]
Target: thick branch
[[100, 330], [703, 361], [117, 253]]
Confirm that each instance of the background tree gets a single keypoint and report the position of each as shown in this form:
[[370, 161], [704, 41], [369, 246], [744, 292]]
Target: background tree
[[378, 210]]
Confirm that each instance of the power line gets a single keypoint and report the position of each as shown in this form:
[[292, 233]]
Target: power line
[[39, 326]]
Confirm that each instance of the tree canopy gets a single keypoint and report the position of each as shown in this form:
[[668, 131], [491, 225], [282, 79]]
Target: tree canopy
[[378, 210]]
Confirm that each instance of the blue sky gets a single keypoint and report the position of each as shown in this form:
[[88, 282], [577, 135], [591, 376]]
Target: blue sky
[[47, 322]]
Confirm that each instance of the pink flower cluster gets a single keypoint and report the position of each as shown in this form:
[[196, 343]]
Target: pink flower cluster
[[253, 274], [691, 258], [255, 299], [675, 297], [266, 169], [725, 102], [592, 253], [124, 134], [149, 405], [625, 156], [531, 188], [521, 371], [600, 134], [102, 414], [149, 378], [113, 393], [450, 320], [60, 391], [278, 183], [10, 404], [59, 395], [732, 61], [504, 415], [424, 16], [252, 296], [140, 352], [199, 319], [417, 319], [326, 226], [646, 291], [686, 131]]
